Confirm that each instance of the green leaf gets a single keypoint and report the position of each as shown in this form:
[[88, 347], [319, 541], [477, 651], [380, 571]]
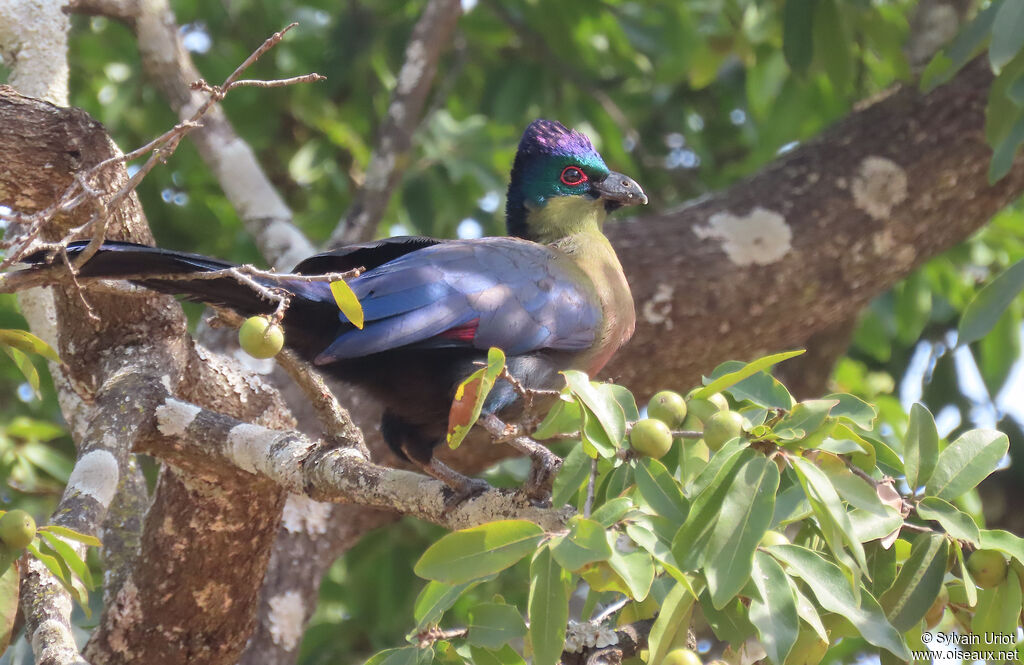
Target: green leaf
[[855, 490], [833, 45], [774, 614], [1007, 34], [25, 366], [797, 36], [918, 582], [921, 447], [470, 554], [636, 569], [956, 523], [434, 600], [660, 490], [743, 518], [348, 303], [731, 623], [28, 343], [584, 544], [601, 404], [854, 410], [870, 526], [563, 418], [504, 656], [610, 512], [574, 472], [998, 608], [9, 581], [470, 397], [492, 625], [623, 398], [751, 368], [71, 534], [970, 588], [548, 607], [830, 510], [966, 462], [1004, 541], [691, 541], [808, 612], [806, 417], [984, 310], [672, 619], [831, 588], [647, 538], [70, 558], [760, 388], [881, 567], [59, 569], [403, 656]]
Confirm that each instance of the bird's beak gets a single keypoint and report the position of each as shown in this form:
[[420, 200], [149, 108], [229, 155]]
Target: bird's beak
[[619, 190]]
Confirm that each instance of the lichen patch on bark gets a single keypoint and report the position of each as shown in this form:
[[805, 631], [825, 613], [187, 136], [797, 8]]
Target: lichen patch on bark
[[879, 185], [173, 417], [302, 514], [761, 237], [286, 618], [95, 474]]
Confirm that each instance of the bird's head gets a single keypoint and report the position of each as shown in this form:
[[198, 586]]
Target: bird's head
[[560, 185]]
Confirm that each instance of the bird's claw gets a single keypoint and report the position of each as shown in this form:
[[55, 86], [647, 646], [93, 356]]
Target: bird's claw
[[462, 487]]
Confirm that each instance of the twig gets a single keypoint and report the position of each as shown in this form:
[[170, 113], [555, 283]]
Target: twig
[[338, 426], [609, 610], [159, 149], [544, 463], [428, 637], [588, 504]]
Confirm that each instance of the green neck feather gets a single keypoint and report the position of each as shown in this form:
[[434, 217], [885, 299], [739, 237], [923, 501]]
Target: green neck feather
[[564, 216]]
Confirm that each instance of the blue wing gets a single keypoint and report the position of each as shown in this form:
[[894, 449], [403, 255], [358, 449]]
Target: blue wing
[[502, 292]]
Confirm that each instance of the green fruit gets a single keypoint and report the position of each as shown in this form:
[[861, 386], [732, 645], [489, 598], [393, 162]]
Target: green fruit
[[773, 538], [667, 406], [722, 427], [934, 614], [681, 657], [704, 408], [17, 529], [261, 338], [650, 437], [987, 567]]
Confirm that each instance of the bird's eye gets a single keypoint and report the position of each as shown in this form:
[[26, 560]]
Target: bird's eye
[[572, 175]]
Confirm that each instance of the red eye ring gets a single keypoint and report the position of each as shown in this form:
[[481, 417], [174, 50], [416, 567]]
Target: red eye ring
[[572, 176]]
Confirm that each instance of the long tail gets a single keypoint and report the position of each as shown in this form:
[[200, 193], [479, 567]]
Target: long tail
[[309, 323], [118, 260]]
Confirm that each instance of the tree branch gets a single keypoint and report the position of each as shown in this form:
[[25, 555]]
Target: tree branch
[[793, 250], [431, 35]]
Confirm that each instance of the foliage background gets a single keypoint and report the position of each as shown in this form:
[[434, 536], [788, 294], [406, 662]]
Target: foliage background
[[686, 97]]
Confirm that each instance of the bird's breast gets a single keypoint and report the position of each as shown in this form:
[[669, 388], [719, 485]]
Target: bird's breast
[[594, 256]]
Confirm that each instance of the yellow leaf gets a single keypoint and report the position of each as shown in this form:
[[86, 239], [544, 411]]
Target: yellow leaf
[[348, 303], [470, 397], [27, 342]]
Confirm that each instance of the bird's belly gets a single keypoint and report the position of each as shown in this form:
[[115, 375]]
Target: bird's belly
[[418, 385]]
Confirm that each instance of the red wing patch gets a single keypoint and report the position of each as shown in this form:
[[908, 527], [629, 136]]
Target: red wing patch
[[464, 333]]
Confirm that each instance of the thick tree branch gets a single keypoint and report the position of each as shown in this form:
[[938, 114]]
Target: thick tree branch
[[429, 38], [303, 466], [793, 250]]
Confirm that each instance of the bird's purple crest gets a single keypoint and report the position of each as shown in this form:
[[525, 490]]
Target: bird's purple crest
[[551, 137]]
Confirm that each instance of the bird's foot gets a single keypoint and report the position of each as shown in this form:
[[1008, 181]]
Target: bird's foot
[[463, 487]]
